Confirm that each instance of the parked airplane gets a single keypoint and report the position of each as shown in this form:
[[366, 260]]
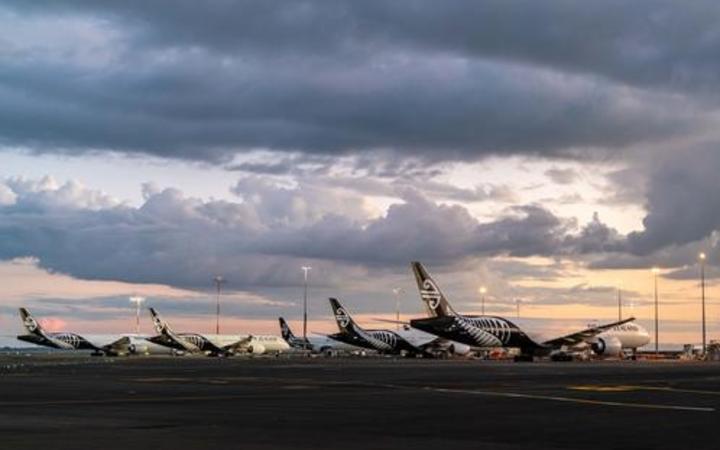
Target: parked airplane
[[214, 344], [493, 331], [315, 343], [407, 342], [110, 345]]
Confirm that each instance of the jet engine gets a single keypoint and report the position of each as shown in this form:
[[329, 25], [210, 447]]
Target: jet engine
[[607, 346], [459, 349], [138, 349], [256, 349]]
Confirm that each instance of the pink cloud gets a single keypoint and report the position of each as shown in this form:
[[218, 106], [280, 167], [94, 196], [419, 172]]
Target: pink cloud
[[53, 324]]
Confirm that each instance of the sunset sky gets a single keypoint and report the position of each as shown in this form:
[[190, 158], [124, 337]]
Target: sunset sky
[[552, 152]]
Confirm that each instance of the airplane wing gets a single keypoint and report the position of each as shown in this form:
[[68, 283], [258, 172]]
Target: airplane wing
[[337, 337], [173, 341], [119, 346], [400, 322], [584, 335], [238, 345]]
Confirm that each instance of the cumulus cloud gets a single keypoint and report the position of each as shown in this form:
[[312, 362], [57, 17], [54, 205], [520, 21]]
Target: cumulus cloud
[[259, 241], [596, 237], [7, 195], [561, 176]]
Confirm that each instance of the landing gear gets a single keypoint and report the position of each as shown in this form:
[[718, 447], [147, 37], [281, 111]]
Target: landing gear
[[562, 357]]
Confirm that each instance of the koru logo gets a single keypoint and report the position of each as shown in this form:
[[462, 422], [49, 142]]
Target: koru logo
[[342, 317], [430, 294], [31, 324], [159, 325], [285, 329]]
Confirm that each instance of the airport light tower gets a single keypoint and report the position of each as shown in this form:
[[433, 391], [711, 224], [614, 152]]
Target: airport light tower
[[483, 291], [397, 291], [655, 272], [702, 258], [219, 281], [619, 295], [137, 300], [306, 270]]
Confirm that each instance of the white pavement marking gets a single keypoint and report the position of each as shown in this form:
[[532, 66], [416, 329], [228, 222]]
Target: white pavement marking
[[573, 400]]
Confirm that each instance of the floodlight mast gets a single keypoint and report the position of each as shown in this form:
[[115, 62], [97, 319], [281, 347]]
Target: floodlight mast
[[482, 291], [397, 291], [137, 300], [306, 270], [655, 271], [219, 281]]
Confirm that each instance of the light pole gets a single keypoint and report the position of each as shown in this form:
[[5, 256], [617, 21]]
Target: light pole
[[482, 291], [305, 270], [655, 272], [517, 305], [218, 283], [397, 291], [702, 258], [137, 300], [619, 292]]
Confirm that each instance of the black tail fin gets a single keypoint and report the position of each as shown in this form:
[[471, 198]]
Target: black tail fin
[[435, 302], [161, 327], [285, 331], [29, 322], [342, 317]]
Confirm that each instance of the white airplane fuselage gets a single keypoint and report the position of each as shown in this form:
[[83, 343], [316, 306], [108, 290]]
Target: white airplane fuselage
[[257, 344], [630, 335]]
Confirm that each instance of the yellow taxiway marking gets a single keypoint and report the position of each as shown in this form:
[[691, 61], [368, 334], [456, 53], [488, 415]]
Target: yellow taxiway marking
[[672, 389], [602, 388], [585, 401]]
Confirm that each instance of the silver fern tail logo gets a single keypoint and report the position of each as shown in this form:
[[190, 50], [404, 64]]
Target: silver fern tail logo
[[31, 324], [430, 294], [342, 317], [158, 323], [285, 330]]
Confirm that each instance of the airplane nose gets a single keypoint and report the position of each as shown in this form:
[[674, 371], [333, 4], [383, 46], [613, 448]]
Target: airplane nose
[[646, 337]]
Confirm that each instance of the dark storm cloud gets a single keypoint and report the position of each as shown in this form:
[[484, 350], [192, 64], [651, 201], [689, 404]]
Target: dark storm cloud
[[683, 201], [443, 80], [646, 42]]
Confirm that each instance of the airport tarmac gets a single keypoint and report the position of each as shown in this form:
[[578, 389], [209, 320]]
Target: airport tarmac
[[70, 402]]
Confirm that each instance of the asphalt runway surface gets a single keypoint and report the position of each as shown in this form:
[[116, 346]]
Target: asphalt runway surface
[[64, 402]]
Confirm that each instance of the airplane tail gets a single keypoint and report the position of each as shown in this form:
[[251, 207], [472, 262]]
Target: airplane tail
[[435, 302], [30, 324], [342, 317], [161, 327], [285, 331]]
